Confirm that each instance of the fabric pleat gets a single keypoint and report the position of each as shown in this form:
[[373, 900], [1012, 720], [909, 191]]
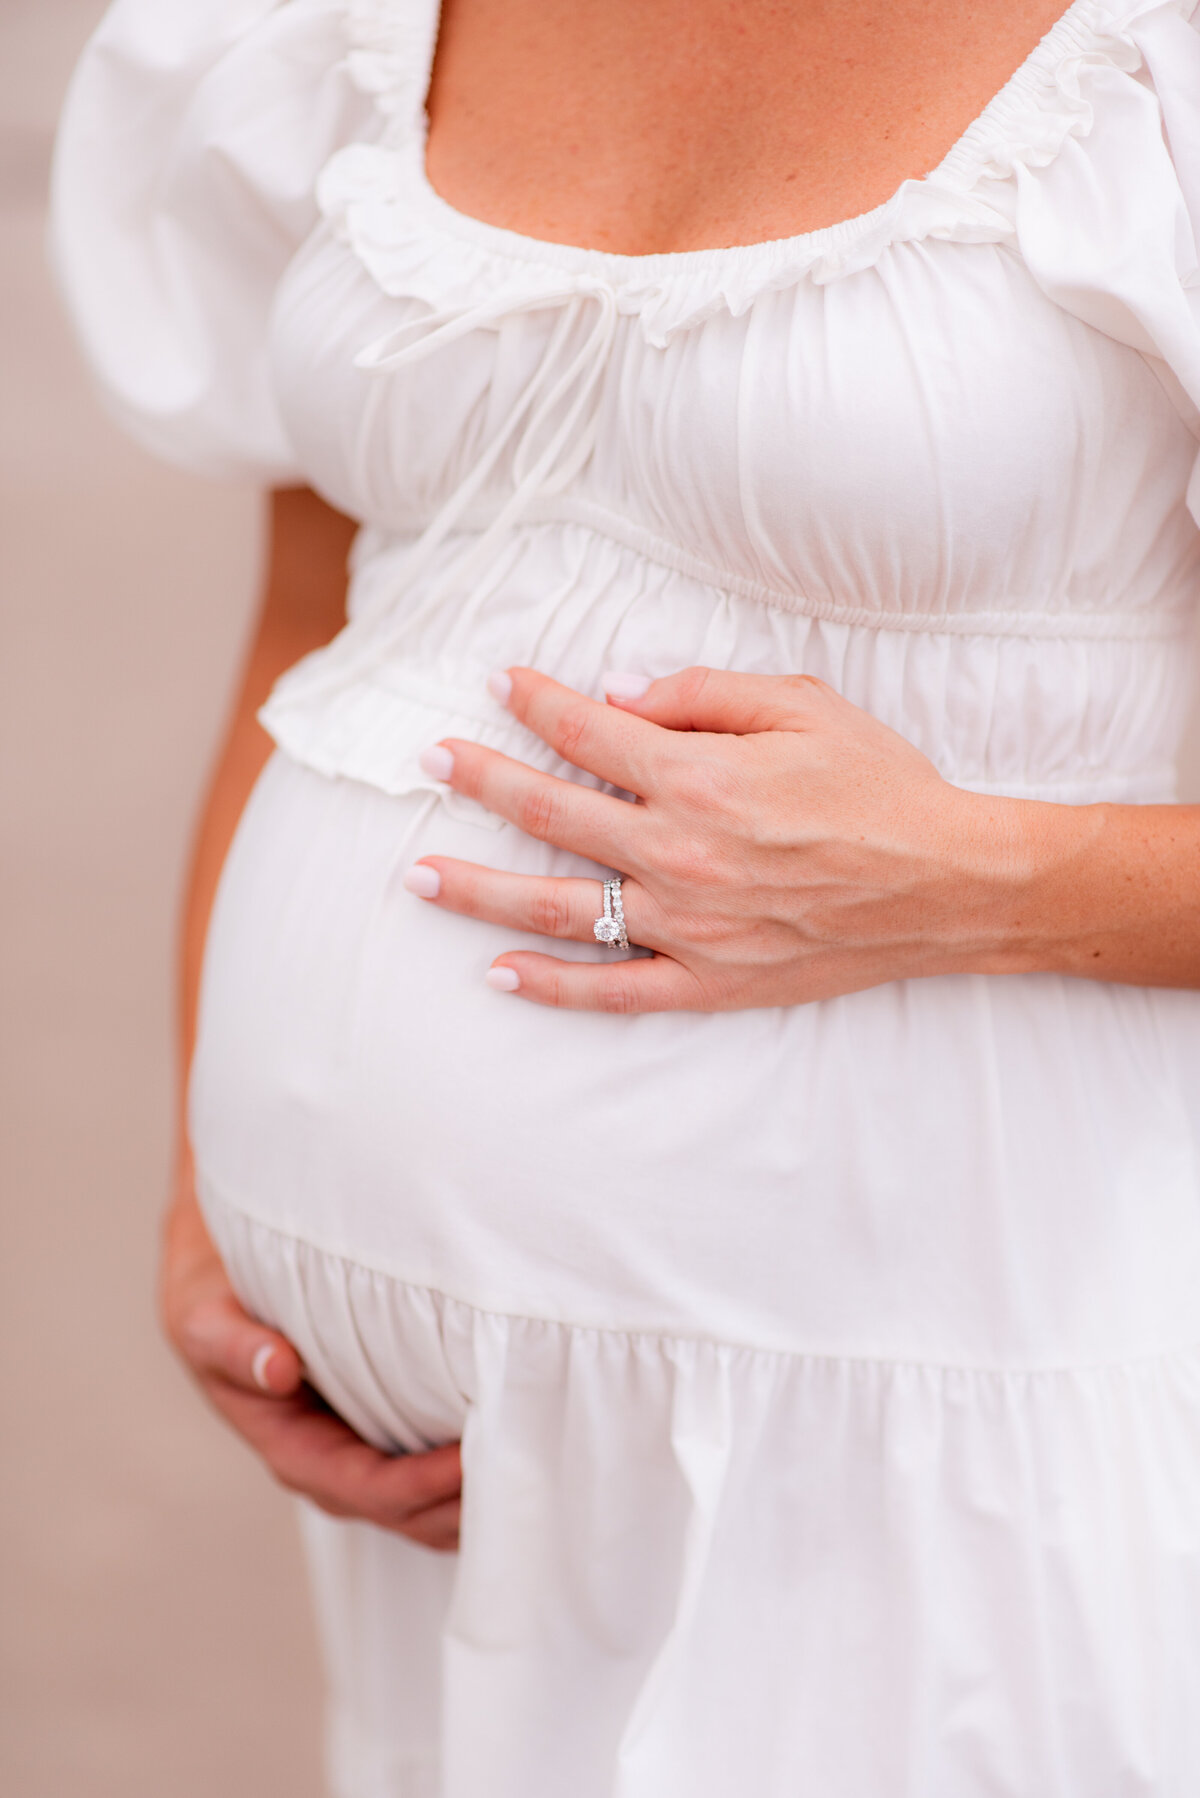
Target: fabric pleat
[[692, 1567]]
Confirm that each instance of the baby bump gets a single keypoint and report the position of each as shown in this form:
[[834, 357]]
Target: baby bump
[[989, 1172]]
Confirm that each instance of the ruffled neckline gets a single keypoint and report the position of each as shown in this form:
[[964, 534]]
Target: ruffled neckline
[[379, 198]]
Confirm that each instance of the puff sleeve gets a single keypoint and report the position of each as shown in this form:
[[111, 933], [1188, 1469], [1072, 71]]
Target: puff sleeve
[[189, 148], [1110, 225]]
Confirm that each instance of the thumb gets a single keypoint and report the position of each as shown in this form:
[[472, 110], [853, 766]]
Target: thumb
[[713, 699], [219, 1339]]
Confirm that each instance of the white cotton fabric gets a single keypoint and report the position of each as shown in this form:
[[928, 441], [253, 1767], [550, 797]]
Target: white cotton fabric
[[828, 1376]]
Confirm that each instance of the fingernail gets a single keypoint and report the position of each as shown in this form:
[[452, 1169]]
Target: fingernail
[[437, 762], [425, 882], [626, 686], [260, 1364], [499, 685], [504, 980]]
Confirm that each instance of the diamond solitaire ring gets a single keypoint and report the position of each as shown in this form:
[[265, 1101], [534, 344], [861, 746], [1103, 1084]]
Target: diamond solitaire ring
[[610, 929]]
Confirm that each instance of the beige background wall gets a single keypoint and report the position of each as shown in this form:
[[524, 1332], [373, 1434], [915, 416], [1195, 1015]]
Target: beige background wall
[[154, 1631], [154, 1635]]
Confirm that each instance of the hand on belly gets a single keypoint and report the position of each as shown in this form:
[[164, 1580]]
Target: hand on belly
[[785, 846]]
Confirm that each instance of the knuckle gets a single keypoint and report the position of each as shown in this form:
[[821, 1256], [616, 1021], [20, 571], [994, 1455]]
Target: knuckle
[[716, 992], [549, 913], [557, 991], [616, 995], [687, 861], [703, 783], [692, 681], [572, 733], [702, 930], [807, 686], [538, 812], [683, 783]]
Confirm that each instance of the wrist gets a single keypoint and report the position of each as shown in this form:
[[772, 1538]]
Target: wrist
[[1035, 854]]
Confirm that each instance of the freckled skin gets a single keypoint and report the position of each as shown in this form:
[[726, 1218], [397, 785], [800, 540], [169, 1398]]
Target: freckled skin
[[686, 124]]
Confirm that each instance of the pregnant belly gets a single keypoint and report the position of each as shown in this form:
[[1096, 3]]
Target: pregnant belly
[[981, 1172]]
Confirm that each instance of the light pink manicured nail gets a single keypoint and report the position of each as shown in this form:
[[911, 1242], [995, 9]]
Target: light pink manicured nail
[[499, 685], [425, 882], [626, 686], [260, 1364], [437, 762], [505, 980]]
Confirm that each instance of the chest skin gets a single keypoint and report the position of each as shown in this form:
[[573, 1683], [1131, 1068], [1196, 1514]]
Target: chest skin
[[651, 126]]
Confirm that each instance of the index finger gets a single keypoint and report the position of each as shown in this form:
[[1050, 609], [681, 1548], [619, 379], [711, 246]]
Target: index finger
[[618, 746]]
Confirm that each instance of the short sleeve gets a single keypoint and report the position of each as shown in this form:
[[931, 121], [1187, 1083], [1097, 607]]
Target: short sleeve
[[189, 148]]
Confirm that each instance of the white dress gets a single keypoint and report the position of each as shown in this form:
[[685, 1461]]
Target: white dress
[[828, 1376]]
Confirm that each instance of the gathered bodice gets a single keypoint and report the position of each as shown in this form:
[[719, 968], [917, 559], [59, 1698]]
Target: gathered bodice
[[939, 454], [928, 447]]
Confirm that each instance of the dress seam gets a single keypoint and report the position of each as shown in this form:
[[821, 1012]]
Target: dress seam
[[1164, 624], [1130, 1364]]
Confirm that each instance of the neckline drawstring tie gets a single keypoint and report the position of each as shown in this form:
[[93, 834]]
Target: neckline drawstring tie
[[547, 458]]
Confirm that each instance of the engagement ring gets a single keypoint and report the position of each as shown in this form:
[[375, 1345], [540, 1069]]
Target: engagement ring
[[610, 928]]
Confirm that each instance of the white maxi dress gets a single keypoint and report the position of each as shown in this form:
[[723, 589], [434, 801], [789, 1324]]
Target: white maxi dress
[[829, 1376]]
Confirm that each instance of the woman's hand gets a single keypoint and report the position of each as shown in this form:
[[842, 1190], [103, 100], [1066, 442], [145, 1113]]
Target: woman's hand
[[786, 847], [254, 1378]]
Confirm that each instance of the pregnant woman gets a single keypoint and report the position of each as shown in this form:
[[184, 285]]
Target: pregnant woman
[[810, 545]]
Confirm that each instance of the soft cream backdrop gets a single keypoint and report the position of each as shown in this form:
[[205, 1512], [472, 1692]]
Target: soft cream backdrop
[[154, 1635], [154, 1630]]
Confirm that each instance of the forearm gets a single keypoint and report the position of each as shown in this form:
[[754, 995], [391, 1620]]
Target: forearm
[[1107, 892], [303, 606]]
